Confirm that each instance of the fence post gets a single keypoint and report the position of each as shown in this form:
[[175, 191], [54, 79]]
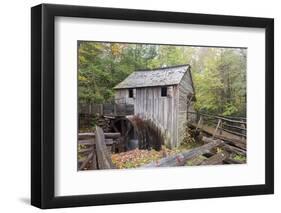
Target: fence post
[[114, 109], [218, 125], [101, 109], [242, 137], [90, 109], [199, 122]]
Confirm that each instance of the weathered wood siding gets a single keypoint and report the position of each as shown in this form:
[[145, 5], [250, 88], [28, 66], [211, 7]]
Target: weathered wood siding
[[161, 110], [185, 91], [122, 96]]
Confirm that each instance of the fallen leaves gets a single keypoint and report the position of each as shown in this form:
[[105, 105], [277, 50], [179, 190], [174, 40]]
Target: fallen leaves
[[137, 157]]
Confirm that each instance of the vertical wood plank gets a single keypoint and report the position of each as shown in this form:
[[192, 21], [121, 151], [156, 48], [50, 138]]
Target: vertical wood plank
[[103, 156]]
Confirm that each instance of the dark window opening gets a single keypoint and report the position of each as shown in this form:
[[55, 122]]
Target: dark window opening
[[164, 91], [131, 93]]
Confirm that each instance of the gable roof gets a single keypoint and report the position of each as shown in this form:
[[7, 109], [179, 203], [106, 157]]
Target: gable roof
[[156, 77]]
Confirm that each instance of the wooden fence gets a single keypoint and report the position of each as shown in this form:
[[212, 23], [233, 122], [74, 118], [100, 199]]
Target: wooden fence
[[106, 109], [232, 129], [95, 149], [233, 125], [88, 113]]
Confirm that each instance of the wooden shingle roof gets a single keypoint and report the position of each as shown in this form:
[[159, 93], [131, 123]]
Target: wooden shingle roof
[[156, 77]]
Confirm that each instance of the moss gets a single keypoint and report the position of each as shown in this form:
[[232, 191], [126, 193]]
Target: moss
[[238, 157], [195, 161]]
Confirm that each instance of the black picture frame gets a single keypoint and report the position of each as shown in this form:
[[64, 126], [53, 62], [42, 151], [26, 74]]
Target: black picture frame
[[43, 100]]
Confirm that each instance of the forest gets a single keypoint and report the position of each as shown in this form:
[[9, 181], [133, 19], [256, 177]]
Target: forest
[[219, 74]]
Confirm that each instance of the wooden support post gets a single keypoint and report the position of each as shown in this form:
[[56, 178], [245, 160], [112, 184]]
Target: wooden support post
[[199, 122], [114, 109], [103, 156], [218, 125]]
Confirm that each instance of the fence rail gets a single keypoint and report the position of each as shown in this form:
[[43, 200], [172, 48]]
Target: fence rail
[[106, 109], [233, 129], [88, 113]]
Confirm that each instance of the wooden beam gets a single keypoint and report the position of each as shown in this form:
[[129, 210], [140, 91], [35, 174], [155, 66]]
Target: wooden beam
[[223, 118], [237, 142], [86, 161], [92, 142], [234, 133], [228, 148], [232, 161], [216, 159], [236, 127], [87, 150], [106, 135], [196, 161], [240, 144], [234, 149], [181, 158]]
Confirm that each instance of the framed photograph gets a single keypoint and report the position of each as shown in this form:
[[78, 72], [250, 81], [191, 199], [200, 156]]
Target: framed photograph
[[139, 106]]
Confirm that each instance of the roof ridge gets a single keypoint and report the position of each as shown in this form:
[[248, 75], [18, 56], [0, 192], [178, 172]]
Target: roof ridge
[[162, 68]]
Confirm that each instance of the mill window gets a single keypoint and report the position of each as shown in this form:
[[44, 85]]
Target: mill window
[[163, 91], [131, 93]]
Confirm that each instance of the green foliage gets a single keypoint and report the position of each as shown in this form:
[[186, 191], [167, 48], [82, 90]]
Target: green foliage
[[219, 74], [220, 81], [239, 157], [103, 65]]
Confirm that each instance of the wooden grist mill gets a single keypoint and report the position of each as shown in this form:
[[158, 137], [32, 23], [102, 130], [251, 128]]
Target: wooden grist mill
[[152, 109], [162, 97]]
